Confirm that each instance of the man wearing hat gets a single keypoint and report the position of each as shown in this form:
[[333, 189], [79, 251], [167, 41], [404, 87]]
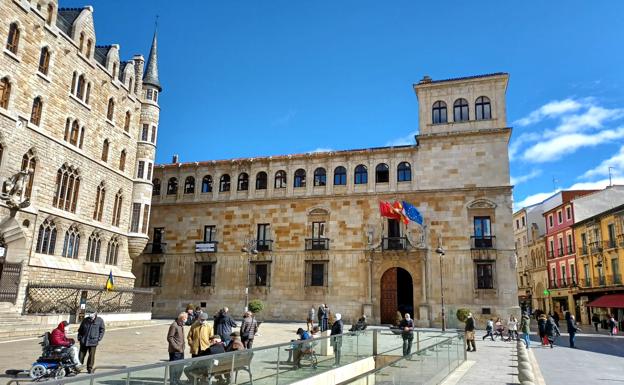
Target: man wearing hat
[[199, 336], [90, 333]]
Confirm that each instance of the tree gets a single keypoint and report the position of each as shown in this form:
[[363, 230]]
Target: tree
[[462, 314]]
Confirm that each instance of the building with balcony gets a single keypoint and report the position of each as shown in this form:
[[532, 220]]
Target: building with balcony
[[296, 242], [77, 143], [600, 253]]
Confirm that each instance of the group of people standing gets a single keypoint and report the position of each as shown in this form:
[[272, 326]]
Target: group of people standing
[[496, 328]]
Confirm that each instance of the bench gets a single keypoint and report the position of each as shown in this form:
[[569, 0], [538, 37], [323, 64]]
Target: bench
[[206, 370]]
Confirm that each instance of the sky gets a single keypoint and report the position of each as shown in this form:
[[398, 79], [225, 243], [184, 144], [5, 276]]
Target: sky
[[259, 78]]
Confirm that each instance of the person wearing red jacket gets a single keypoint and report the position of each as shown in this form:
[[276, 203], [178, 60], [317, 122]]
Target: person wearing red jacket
[[58, 337]]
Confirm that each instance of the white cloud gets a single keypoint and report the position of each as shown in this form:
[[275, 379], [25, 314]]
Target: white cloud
[[549, 110], [616, 161], [407, 139], [527, 137], [524, 178], [594, 117], [533, 199], [556, 147], [321, 149]]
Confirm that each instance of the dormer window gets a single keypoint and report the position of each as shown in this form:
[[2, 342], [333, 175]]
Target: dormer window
[[439, 112], [460, 110], [89, 44], [483, 108]]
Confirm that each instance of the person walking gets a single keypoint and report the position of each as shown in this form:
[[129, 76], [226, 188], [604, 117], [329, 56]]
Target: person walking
[[199, 336], [248, 330], [310, 319], [223, 325], [489, 328], [336, 341], [541, 327], [556, 318], [90, 333], [572, 329], [552, 331], [596, 321], [175, 340], [319, 316], [498, 328], [525, 327], [407, 333], [612, 325], [512, 327], [325, 318], [470, 333]]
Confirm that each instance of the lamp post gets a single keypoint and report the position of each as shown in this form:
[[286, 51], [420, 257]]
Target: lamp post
[[441, 252], [250, 249]]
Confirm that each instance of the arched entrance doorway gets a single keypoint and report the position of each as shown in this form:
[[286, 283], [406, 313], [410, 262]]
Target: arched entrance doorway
[[397, 293]]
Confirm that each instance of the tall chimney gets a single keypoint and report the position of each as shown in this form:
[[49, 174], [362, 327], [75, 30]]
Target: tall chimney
[[176, 158]]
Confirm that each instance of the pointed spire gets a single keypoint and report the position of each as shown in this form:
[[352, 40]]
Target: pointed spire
[[151, 70]]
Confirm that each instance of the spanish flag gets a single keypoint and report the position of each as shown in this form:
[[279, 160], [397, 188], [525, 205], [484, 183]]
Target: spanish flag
[[110, 284]]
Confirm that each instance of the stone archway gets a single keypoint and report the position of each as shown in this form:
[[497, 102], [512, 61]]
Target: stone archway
[[397, 293]]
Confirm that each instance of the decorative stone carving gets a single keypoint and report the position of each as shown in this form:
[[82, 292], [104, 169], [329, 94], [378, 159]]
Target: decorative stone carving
[[13, 191], [481, 204]]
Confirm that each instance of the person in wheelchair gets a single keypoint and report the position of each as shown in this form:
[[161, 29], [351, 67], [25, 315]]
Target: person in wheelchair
[[58, 338]]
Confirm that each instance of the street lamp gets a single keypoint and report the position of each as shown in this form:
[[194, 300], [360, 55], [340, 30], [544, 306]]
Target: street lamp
[[250, 249], [441, 252]]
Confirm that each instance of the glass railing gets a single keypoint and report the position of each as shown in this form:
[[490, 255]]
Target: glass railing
[[291, 362]]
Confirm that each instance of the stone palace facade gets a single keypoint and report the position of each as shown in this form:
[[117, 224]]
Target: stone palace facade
[[303, 229], [78, 130]]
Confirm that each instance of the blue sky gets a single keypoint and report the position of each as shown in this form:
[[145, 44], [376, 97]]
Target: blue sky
[[252, 78]]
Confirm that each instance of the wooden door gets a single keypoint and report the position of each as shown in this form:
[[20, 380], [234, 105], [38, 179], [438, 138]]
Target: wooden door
[[389, 298]]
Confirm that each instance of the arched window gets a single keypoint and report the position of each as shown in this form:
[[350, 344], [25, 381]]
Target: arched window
[[280, 179], [131, 84], [37, 108], [81, 41], [67, 187], [105, 146], [300, 178], [243, 182], [153, 138], [5, 92], [86, 100], [320, 177], [44, 60], [261, 181], [156, 187], [13, 38], [46, 240], [382, 173], [189, 185], [172, 186], [483, 108], [117, 208], [122, 160], [112, 251], [127, 121], [29, 164], [110, 110], [99, 202], [439, 112], [361, 174], [404, 172], [80, 87], [460, 110], [206, 184], [50, 14], [71, 245], [73, 83], [114, 70], [93, 247], [340, 176], [89, 44], [224, 183]]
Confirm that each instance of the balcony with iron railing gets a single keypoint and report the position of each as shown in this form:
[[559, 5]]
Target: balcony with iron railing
[[596, 247], [587, 282], [569, 250], [613, 279], [560, 252], [206, 246], [483, 242], [155, 248], [264, 244], [583, 250], [550, 254], [610, 244], [620, 240], [317, 244], [394, 243], [552, 284]]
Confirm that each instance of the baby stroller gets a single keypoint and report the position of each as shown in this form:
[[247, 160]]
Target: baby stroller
[[54, 362]]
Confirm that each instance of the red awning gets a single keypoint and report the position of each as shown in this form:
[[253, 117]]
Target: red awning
[[609, 300]]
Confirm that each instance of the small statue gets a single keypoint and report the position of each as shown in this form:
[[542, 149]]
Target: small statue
[[13, 191]]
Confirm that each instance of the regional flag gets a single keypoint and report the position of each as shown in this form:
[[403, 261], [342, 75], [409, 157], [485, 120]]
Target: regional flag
[[412, 213], [386, 210], [398, 208], [110, 284]]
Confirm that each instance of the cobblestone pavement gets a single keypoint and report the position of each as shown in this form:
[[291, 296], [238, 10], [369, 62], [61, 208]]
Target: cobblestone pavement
[[130, 346], [597, 359]]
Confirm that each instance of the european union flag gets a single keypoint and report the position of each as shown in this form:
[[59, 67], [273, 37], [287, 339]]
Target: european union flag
[[412, 213]]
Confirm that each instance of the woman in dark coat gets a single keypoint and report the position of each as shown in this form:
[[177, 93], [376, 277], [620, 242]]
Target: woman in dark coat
[[541, 327], [552, 331]]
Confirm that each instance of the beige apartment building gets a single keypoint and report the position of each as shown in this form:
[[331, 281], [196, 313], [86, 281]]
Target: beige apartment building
[[303, 229], [78, 129]]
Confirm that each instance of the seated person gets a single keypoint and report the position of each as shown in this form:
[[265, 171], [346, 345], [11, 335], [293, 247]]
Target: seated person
[[216, 346], [299, 349], [235, 343], [316, 332], [58, 337], [359, 325]]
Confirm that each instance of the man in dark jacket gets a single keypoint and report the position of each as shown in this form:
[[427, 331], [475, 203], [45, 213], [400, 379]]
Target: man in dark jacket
[[407, 333], [572, 329], [175, 339], [596, 321], [90, 333], [336, 341], [320, 314], [470, 333], [223, 324]]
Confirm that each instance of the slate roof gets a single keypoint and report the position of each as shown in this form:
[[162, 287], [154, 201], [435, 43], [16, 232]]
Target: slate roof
[[101, 52], [431, 81], [151, 69], [66, 18]]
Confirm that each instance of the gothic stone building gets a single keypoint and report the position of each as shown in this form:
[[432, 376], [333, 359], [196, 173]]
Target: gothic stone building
[[82, 125], [304, 229]]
